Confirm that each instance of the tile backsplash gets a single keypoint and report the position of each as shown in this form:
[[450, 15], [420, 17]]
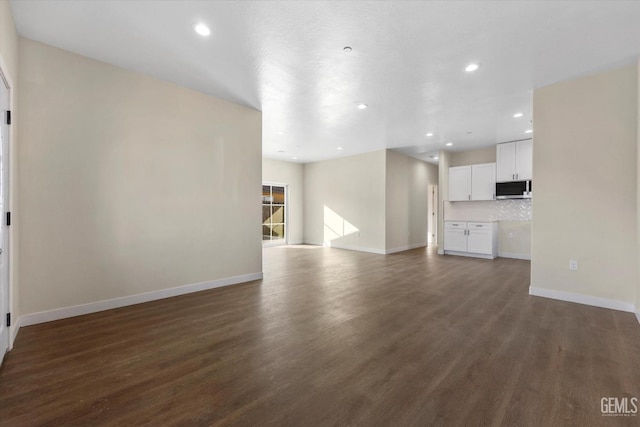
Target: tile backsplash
[[490, 210]]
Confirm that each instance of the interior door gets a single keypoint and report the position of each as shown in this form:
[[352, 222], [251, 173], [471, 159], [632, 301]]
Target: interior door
[[4, 235]]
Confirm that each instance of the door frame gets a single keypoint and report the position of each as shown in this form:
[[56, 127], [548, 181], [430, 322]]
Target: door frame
[[284, 241], [432, 232], [7, 278]]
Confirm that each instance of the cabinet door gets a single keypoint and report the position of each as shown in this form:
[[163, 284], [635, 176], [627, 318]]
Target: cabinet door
[[459, 183], [483, 181], [480, 241], [524, 160], [506, 159], [455, 240]]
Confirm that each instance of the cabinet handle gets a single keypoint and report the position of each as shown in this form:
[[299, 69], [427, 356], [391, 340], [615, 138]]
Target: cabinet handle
[[516, 176], [469, 196]]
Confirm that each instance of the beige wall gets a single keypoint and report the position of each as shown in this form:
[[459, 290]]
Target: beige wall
[[129, 184], [584, 163], [344, 202], [276, 171], [473, 157], [407, 198], [514, 239], [9, 55], [444, 162]]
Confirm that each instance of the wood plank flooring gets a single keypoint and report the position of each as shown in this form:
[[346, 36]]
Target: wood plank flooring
[[333, 337]]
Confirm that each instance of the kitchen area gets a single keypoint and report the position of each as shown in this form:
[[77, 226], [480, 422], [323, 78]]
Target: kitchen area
[[487, 206]]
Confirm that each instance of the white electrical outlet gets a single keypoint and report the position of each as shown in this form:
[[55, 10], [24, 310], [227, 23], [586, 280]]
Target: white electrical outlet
[[573, 265]]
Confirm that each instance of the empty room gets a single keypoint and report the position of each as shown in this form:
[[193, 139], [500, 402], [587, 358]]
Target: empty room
[[299, 213]]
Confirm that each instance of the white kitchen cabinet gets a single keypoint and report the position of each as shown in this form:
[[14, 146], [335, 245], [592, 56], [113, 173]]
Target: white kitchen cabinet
[[473, 239], [515, 161], [455, 236], [474, 182], [524, 160], [459, 183], [483, 181], [479, 237]]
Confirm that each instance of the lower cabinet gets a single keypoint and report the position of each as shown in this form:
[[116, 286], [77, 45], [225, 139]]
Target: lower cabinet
[[474, 239]]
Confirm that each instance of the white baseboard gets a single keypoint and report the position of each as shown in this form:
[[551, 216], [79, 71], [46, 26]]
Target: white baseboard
[[583, 299], [365, 249], [406, 248], [347, 247], [469, 254], [358, 248], [13, 331], [514, 255], [93, 307]]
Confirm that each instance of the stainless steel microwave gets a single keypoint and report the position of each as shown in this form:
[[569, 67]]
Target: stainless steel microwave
[[513, 190]]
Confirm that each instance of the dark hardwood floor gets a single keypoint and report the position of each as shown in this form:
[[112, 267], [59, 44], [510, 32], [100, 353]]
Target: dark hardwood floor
[[333, 337]]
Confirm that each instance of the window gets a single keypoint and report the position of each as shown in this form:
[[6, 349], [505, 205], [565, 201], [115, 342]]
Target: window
[[273, 213]]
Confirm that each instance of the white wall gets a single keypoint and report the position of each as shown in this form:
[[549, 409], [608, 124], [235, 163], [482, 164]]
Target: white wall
[[9, 55], [344, 202], [277, 171], [407, 199], [129, 184], [585, 168]]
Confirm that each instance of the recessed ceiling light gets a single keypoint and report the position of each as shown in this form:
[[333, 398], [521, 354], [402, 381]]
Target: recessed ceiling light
[[280, 132], [362, 106], [201, 29], [435, 158], [347, 49], [528, 131], [449, 144], [339, 148], [516, 115], [429, 134], [294, 158], [471, 67]]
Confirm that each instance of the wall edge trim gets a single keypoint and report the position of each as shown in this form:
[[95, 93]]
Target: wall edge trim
[[109, 304], [583, 299], [514, 255], [406, 248]]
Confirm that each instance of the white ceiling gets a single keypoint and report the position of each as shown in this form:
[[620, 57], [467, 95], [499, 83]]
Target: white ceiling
[[407, 63]]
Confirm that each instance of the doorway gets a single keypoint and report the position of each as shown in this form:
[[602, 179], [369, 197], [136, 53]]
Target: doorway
[[274, 214], [5, 106], [432, 238]]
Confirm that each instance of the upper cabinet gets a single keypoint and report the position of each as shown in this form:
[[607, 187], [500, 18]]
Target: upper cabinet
[[515, 161], [475, 182], [459, 183], [483, 181]]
